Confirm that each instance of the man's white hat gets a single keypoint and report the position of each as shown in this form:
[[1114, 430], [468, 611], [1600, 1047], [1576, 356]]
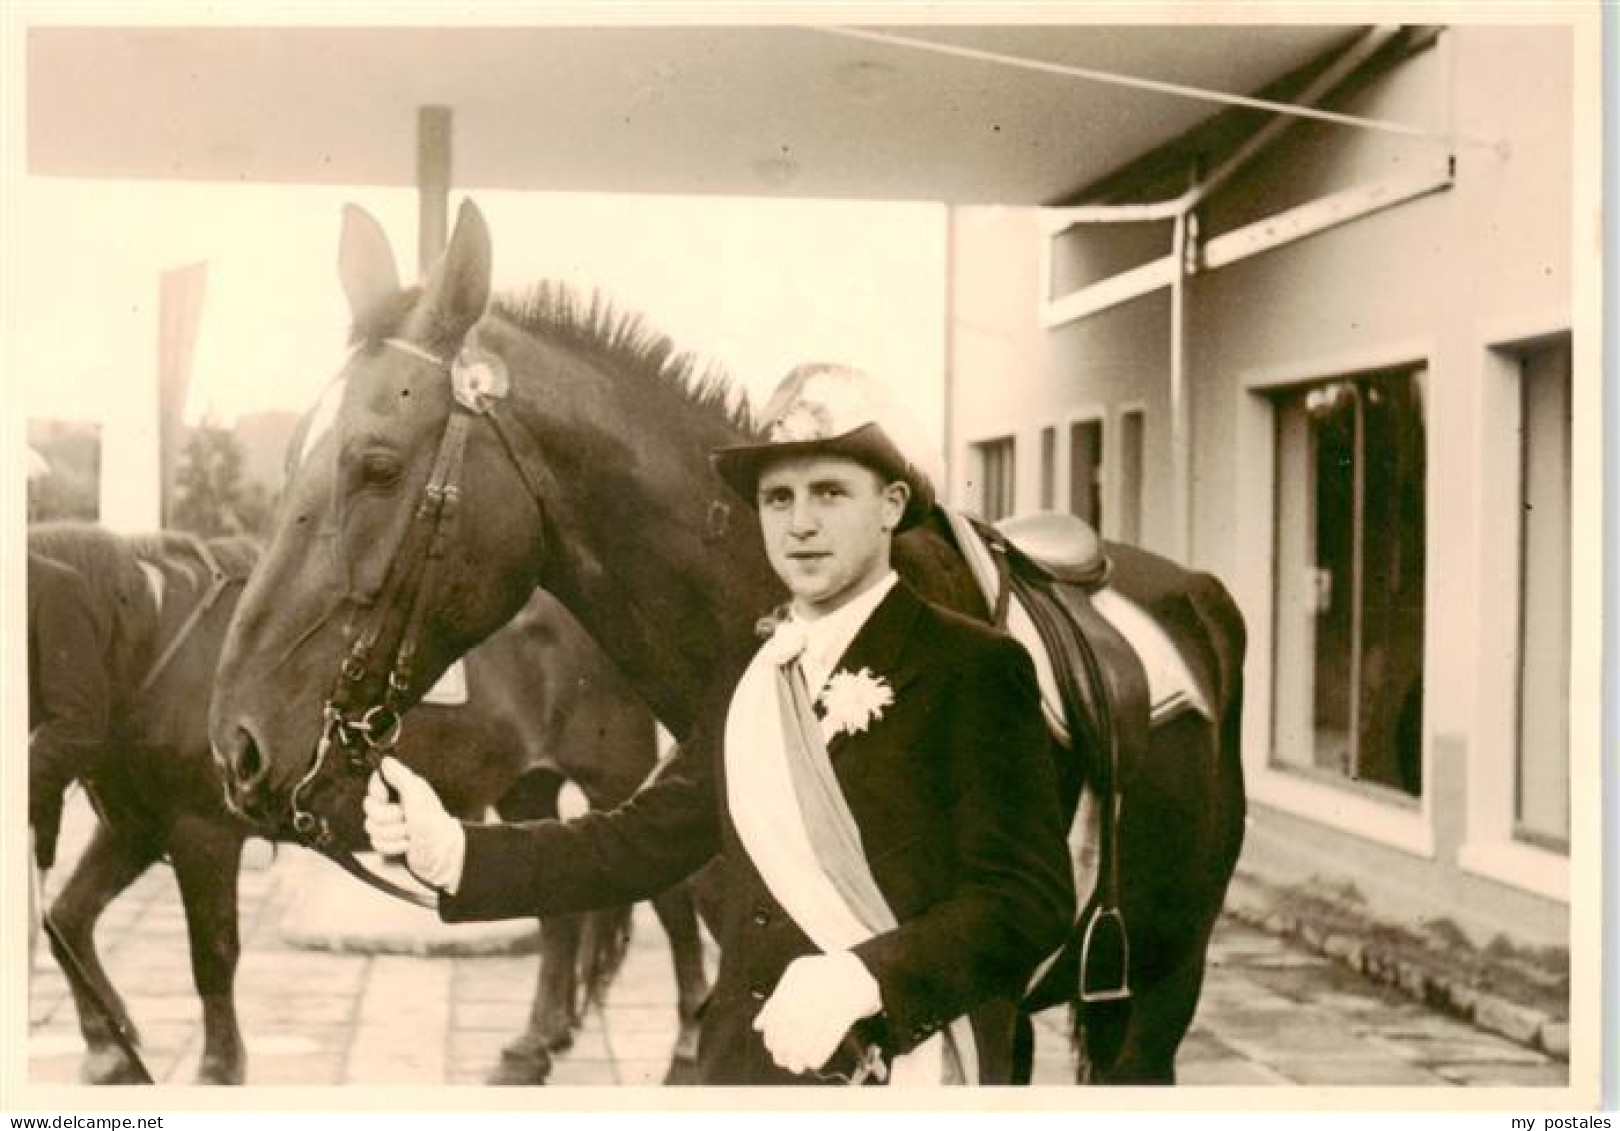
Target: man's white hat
[[838, 410]]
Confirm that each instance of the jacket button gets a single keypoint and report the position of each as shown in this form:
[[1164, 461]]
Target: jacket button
[[762, 918], [756, 992]]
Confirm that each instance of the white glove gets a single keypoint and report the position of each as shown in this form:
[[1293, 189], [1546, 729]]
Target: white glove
[[819, 997], [416, 827]]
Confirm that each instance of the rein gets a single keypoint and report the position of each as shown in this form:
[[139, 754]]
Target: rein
[[364, 733], [219, 579]]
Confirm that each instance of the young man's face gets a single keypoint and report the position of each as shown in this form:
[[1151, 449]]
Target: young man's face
[[828, 522]]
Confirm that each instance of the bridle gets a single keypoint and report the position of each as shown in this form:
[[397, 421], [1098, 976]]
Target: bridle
[[363, 732]]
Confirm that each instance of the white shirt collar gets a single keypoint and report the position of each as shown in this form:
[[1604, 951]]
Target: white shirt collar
[[828, 638]]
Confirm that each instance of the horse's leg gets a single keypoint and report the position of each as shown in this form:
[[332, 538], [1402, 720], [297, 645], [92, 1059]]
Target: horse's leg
[[556, 1013], [1161, 1013], [107, 867], [677, 911], [526, 1059], [207, 854]]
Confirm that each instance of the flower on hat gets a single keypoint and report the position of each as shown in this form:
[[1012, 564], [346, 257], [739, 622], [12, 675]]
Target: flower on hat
[[852, 701], [825, 401], [802, 421], [852, 413]]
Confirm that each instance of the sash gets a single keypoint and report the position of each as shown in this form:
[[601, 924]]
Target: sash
[[794, 822]]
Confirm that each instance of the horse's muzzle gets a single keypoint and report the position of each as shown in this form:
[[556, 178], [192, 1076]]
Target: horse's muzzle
[[245, 772]]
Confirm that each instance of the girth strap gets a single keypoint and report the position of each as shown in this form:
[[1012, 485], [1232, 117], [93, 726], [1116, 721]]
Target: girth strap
[[1104, 691]]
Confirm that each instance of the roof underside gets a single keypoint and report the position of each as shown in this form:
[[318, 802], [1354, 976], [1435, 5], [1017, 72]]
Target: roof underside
[[774, 110]]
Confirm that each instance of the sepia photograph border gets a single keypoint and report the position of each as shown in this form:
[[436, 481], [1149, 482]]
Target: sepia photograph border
[[1588, 616]]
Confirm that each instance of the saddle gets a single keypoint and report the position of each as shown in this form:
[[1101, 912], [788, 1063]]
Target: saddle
[[1042, 576]]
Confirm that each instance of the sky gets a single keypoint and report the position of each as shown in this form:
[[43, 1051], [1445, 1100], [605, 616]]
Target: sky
[[755, 284]]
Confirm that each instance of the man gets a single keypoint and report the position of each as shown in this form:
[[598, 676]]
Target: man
[[878, 781]]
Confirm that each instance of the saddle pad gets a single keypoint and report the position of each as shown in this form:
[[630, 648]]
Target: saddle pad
[[155, 582], [1171, 687], [1170, 681], [451, 690]]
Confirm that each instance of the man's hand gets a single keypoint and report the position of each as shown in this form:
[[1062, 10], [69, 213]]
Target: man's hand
[[819, 997], [416, 826]]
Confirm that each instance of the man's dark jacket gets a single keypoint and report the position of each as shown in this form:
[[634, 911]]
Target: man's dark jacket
[[954, 792]]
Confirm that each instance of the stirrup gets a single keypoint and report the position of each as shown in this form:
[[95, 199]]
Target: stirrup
[[1113, 937]]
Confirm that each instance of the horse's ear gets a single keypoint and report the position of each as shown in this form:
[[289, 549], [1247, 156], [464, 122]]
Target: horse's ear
[[458, 290], [365, 261]]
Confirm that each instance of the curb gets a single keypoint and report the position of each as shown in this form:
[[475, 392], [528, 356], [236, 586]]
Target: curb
[[1524, 1025], [326, 910]]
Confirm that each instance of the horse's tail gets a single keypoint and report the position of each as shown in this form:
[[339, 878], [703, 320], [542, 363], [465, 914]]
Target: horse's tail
[[604, 939]]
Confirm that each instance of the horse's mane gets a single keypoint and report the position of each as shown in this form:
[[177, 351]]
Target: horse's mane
[[594, 325], [117, 586]]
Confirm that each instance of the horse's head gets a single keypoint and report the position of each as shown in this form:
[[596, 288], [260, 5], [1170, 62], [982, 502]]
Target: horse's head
[[409, 530]]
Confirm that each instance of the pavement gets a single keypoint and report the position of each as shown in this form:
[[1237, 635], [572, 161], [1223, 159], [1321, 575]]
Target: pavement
[[1273, 1012]]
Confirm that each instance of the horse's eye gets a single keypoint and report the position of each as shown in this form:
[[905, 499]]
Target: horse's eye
[[379, 469]]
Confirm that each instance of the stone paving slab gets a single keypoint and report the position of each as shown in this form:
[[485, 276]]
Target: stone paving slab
[[1272, 1013]]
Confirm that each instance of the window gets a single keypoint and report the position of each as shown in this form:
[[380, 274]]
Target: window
[[1085, 471], [1349, 541], [1048, 468], [996, 474], [1132, 424], [1541, 805]]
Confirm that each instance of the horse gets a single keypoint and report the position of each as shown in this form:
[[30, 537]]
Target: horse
[[481, 446], [165, 600]]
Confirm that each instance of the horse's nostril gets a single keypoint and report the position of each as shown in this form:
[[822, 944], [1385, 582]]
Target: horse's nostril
[[247, 764]]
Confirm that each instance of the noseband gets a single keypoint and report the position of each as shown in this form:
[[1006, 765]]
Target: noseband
[[364, 732]]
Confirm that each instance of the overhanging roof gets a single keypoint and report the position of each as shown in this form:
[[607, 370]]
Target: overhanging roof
[[759, 110]]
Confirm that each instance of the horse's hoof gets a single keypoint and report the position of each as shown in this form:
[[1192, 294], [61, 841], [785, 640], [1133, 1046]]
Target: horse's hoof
[[560, 1040], [682, 1071], [109, 1066], [520, 1068], [219, 1072]]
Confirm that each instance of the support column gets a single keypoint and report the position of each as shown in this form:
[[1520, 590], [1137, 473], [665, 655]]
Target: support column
[[433, 172], [1180, 411], [181, 291]]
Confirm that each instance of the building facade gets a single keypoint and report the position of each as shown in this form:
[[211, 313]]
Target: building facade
[[1338, 370]]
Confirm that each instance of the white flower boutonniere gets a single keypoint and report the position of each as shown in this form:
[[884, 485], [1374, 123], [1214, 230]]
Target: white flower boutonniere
[[852, 701]]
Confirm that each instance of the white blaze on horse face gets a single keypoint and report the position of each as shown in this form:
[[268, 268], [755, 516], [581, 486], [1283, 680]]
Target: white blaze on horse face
[[325, 415]]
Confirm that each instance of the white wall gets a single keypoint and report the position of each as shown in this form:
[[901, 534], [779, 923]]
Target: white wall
[[1446, 281]]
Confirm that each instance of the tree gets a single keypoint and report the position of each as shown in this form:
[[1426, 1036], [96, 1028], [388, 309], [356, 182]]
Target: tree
[[68, 489], [211, 494]]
